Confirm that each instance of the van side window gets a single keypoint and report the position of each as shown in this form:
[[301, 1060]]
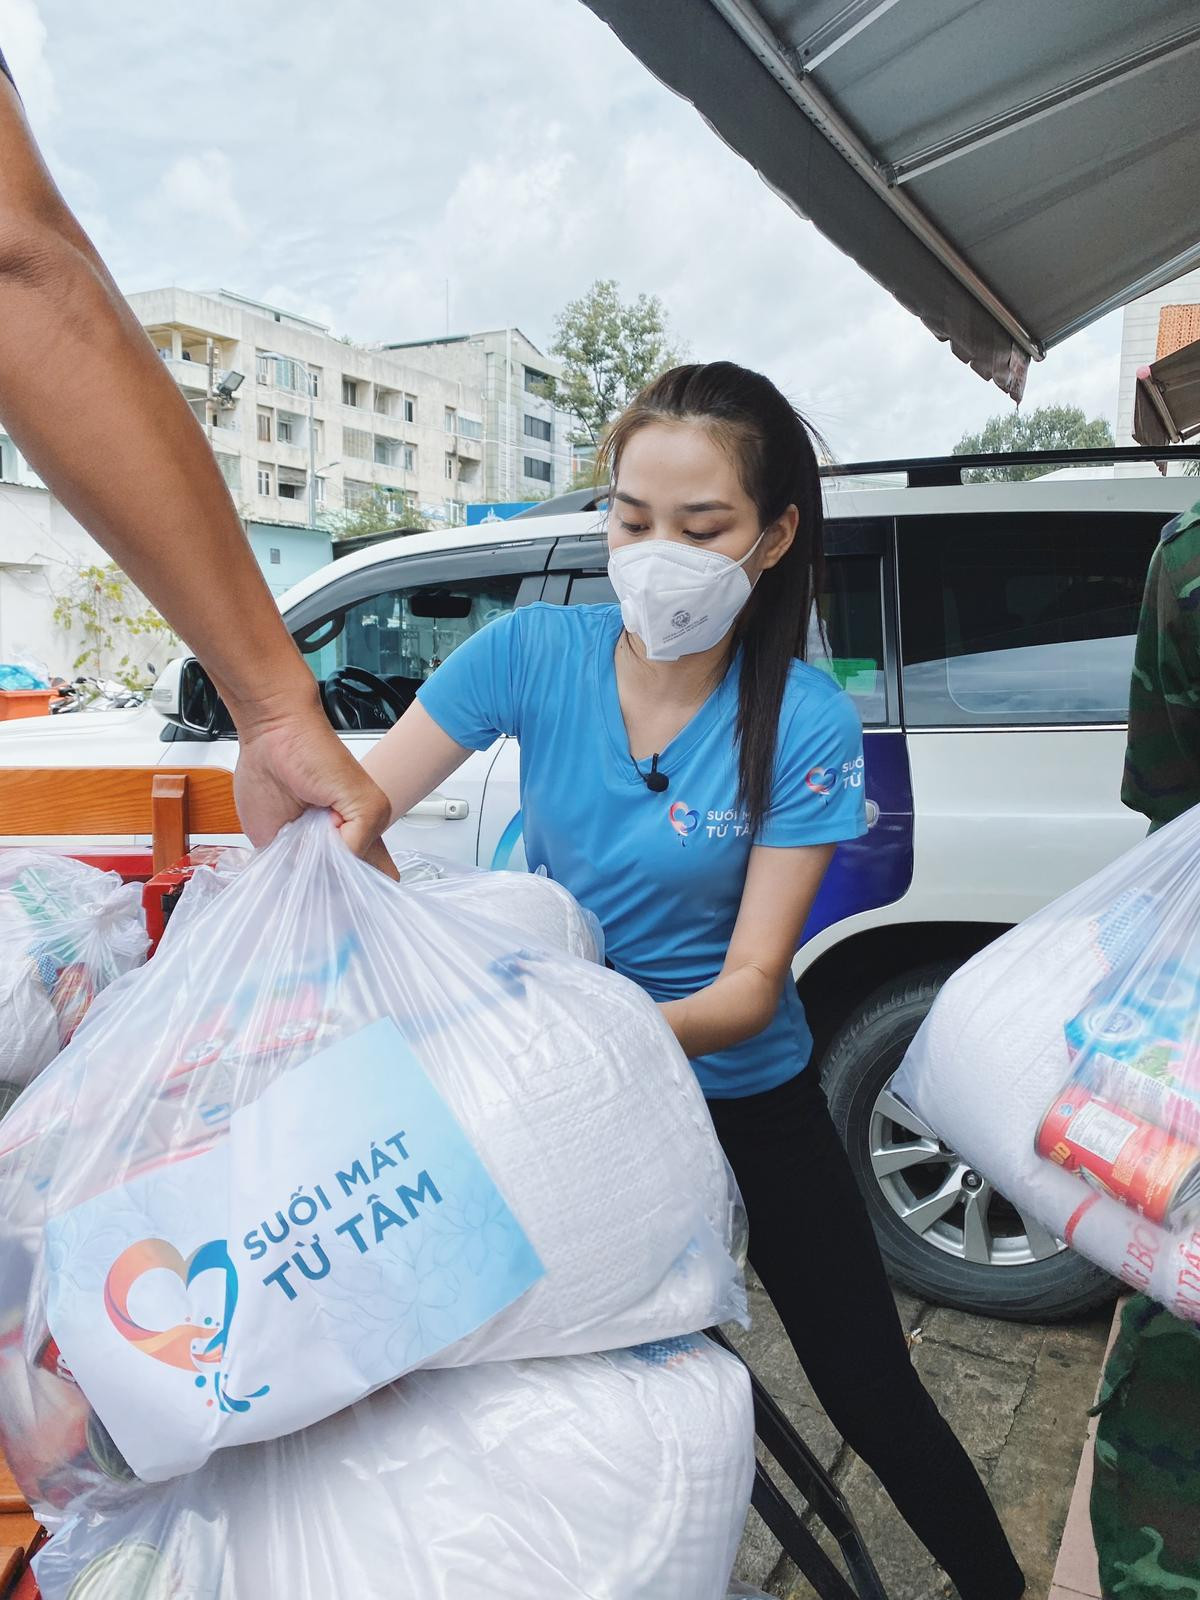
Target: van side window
[[1020, 619], [851, 610]]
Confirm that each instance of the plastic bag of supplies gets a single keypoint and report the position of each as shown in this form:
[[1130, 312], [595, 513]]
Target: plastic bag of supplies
[[333, 1132], [66, 931], [624, 1476], [1063, 1063], [547, 914]]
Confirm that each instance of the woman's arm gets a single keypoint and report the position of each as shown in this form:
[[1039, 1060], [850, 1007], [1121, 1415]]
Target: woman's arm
[[412, 760], [781, 886]]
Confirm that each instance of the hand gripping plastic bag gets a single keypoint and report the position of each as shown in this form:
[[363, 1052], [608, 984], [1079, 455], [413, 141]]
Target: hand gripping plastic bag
[[333, 1132], [1063, 1063], [66, 931], [615, 1477]]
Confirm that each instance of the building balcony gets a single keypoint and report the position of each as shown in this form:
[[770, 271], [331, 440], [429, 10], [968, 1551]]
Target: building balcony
[[191, 376]]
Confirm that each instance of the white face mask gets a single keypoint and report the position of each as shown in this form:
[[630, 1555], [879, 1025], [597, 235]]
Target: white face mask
[[678, 599]]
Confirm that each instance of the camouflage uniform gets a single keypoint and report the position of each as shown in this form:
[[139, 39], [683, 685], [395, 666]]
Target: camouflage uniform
[[1146, 1490], [1162, 763]]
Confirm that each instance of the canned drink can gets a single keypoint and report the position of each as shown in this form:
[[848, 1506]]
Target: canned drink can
[[1115, 1150], [131, 1570], [104, 1453], [1147, 1088]]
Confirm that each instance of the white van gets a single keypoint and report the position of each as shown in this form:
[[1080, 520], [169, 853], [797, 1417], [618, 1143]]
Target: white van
[[985, 631]]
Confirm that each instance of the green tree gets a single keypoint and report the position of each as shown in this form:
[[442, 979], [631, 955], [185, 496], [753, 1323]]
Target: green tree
[[609, 349], [101, 607], [376, 513], [1046, 428]]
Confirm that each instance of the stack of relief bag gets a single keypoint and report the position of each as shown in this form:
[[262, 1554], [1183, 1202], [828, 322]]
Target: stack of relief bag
[[359, 1244]]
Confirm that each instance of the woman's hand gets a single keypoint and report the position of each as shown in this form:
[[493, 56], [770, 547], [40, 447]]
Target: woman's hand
[[781, 885]]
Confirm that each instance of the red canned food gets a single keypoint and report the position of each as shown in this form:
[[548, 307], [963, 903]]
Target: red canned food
[[1115, 1150]]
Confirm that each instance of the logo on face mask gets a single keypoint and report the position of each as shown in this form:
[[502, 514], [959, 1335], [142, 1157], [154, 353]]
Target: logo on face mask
[[821, 780], [681, 619], [683, 819]]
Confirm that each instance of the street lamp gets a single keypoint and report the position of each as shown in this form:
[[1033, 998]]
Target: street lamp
[[275, 355]]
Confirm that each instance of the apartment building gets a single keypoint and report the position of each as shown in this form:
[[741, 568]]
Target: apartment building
[[527, 437], [303, 423]]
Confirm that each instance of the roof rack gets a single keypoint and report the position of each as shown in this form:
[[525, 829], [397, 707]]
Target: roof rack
[[935, 472]]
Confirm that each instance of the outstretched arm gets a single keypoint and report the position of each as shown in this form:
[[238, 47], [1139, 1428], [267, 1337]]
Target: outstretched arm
[[139, 475]]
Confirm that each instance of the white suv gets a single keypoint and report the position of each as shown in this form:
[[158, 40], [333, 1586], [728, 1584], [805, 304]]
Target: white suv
[[985, 631]]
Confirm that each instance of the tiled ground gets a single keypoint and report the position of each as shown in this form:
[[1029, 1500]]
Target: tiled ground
[[1016, 1395]]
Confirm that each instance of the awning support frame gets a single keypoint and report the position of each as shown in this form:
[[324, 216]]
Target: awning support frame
[[800, 88], [916, 165]]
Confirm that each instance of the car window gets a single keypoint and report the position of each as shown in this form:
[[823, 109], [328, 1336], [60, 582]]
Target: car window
[[1020, 619], [851, 649], [405, 633], [852, 613]]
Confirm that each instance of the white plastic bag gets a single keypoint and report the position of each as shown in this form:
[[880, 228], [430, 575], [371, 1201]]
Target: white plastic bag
[[1063, 1063], [66, 931], [614, 1477], [546, 914], [333, 1132]]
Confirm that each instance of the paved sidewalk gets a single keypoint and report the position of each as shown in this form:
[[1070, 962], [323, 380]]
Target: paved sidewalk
[[1016, 1395]]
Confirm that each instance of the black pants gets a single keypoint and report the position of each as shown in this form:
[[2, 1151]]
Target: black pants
[[812, 1245]]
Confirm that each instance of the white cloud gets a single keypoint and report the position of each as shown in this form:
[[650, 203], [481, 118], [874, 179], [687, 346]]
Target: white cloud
[[23, 36], [197, 192], [348, 161]]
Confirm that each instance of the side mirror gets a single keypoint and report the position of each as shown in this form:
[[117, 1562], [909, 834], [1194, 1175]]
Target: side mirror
[[185, 695]]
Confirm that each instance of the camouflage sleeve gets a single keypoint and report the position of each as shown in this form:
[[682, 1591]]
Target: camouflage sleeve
[[1162, 759]]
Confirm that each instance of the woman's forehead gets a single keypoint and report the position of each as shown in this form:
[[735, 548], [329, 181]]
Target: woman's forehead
[[678, 464]]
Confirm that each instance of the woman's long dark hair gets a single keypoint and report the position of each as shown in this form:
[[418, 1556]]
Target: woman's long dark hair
[[772, 446]]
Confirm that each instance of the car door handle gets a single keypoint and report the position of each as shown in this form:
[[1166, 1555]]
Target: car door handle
[[443, 810]]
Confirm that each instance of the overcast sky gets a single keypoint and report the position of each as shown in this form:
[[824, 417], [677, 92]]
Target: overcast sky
[[345, 160]]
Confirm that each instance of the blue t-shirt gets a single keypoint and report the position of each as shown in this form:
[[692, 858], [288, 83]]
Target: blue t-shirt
[[664, 873]]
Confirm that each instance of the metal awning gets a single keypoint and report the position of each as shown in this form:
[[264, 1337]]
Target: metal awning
[[1009, 170], [1166, 407]]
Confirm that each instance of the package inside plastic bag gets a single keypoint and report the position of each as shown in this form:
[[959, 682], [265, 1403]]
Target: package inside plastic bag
[[335, 1131], [546, 914], [67, 930], [1063, 1063], [624, 1476]]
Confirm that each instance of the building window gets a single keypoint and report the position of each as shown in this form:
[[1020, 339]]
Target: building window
[[319, 490], [274, 555], [385, 450], [410, 458], [356, 442], [410, 408], [537, 469], [538, 428], [264, 479], [262, 369], [450, 420], [469, 427], [284, 429], [264, 426], [449, 465], [314, 382], [539, 383], [350, 388], [231, 470]]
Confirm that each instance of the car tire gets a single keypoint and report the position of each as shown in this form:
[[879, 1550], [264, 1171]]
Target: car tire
[[861, 1060]]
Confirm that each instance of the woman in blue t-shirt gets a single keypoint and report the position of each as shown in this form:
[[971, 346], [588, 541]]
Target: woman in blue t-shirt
[[687, 776]]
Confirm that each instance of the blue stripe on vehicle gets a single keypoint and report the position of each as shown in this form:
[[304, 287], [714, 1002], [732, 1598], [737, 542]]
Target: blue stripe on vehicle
[[507, 844]]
